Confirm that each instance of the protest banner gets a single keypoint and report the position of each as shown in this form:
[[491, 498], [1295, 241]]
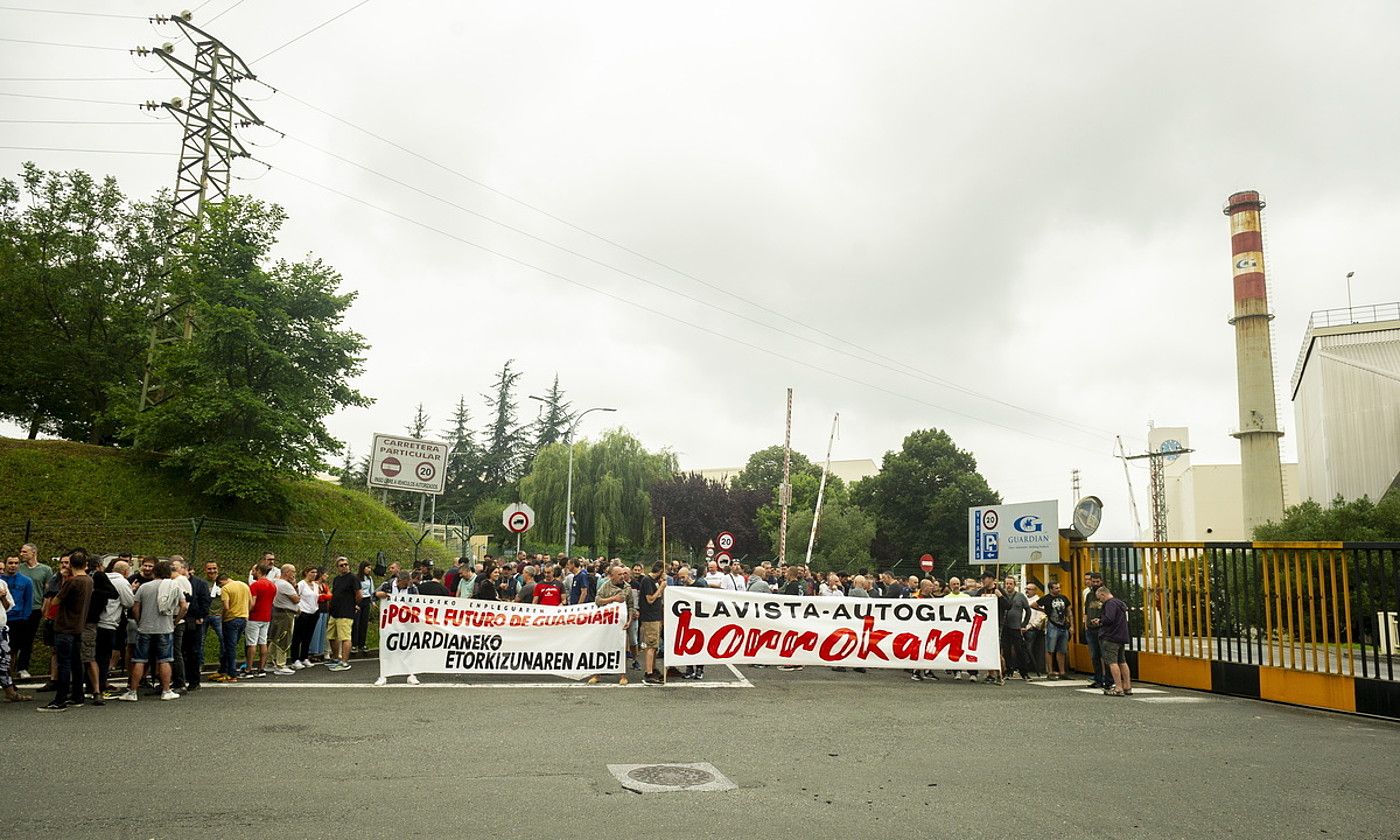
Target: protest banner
[[716, 627], [432, 634]]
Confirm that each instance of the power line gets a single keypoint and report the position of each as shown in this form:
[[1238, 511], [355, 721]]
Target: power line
[[83, 122], [221, 14], [68, 99], [63, 44], [78, 79], [662, 314], [919, 373], [309, 31], [903, 370], [66, 12], [82, 151]]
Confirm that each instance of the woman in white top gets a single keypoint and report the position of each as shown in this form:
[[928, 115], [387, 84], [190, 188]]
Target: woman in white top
[[308, 611]]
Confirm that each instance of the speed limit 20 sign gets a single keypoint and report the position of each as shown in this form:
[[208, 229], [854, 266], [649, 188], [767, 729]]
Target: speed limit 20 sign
[[405, 463], [725, 541]]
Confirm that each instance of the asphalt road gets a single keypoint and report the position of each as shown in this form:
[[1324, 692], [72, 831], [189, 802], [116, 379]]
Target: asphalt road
[[815, 754]]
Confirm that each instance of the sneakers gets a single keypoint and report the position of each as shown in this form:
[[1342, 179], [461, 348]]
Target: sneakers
[[412, 680], [973, 677], [128, 696], [53, 707], [381, 681], [917, 676], [338, 666], [284, 672], [789, 667], [958, 676], [652, 679], [169, 695], [298, 665], [24, 675]]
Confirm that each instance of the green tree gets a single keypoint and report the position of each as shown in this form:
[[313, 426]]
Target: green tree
[[464, 486], [844, 534], [268, 362], [419, 424], [764, 469], [80, 267], [920, 499], [501, 462], [1359, 520], [764, 472], [555, 417], [612, 484]]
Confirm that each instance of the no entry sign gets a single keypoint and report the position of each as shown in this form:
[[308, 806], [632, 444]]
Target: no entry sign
[[926, 562], [405, 463], [518, 518]]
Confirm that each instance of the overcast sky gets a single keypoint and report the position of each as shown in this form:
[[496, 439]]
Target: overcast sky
[[1017, 201]]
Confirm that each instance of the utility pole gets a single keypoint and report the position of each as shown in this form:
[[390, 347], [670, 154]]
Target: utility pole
[[821, 489], [207, 149], [1157, 465], [785, 490]]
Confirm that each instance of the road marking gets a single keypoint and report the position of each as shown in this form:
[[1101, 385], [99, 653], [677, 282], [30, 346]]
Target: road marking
[[1059, 683], [739, 681], [1172, 699]]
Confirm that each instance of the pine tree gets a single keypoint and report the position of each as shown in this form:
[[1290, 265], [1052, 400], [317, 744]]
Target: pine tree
[[464, 462], [419, 425], [553, 423], [501, 463]]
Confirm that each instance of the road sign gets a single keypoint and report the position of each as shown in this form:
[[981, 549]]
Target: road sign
[[709, 552], [926, 562], [405, 463], [726, 540], [518, 518], [723, 558], [1013, 534]]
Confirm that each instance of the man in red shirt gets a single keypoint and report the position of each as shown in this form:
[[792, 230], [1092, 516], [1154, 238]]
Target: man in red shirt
[[259, 620], [547, 591]]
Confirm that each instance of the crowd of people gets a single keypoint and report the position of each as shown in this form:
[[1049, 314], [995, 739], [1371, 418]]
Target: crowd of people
[[123, 627]]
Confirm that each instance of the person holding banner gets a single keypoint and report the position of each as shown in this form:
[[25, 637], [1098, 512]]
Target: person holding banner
[[651, 592], [614, 590]]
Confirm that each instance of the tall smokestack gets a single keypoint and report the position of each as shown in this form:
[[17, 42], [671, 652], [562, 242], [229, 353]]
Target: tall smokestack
[[1258, 431]]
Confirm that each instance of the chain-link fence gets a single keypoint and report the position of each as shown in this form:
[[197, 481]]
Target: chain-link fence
[[235, 545]]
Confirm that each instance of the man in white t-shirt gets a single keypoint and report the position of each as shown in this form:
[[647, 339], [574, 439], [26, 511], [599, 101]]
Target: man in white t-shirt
[[717, 579]]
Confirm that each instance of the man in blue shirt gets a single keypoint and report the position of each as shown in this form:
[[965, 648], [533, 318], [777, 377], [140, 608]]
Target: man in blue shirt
[[583, 588], [21, 597]]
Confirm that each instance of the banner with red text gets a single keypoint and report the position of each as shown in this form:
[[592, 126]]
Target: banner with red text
[[432, 634], [717, 626]]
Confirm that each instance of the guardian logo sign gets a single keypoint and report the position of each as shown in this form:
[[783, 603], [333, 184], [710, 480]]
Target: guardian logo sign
[[1031, 537]]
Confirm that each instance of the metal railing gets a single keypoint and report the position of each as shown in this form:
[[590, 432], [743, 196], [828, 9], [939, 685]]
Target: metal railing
[[1318, 607], [1325, 318]]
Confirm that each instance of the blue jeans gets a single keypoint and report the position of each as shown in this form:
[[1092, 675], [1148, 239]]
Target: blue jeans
[[318, 636], [215, 623], [228, 646], [68, 648], [1091, 636]]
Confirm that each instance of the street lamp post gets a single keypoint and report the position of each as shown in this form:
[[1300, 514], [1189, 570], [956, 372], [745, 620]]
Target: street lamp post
[[569, 484]]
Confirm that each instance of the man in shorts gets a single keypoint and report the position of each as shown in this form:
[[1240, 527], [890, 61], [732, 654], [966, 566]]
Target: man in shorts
[[345, 595], [1058, 615], [264, 594], [158, 606], [1113, 642], [651, 594]]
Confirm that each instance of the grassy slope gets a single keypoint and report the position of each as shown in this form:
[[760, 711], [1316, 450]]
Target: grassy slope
[[109, 499]]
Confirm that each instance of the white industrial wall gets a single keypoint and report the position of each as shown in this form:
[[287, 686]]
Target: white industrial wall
[[1347, 408]]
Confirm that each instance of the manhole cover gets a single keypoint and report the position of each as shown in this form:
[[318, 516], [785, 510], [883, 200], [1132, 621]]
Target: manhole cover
[[671, 775], [670, 778]]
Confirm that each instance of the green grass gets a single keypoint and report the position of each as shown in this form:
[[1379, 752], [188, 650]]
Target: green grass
[[59, 494]]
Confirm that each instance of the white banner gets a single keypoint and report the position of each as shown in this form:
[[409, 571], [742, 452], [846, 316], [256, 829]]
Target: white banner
[[433, 634], [404, 463], [716, 626]]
